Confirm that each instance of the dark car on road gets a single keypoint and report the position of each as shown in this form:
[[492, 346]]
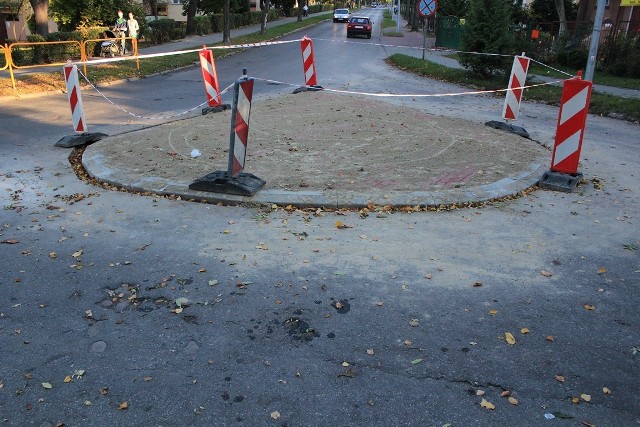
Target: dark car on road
[[359, 25]]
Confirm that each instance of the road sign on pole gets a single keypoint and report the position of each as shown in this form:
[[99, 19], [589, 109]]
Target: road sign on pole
[[427, 7]]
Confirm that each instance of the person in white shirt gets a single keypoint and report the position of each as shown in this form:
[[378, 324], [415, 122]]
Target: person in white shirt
[[133, 26]]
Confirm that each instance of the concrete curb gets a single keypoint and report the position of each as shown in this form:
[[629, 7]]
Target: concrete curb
[[505, 187]]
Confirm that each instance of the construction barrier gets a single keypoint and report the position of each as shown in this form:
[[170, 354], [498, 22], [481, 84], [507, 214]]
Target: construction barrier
[[77, 111], [234, 180], [513, 96], [210, 78], [572, 118], [5, 56], [308, 66], [516, 82], [46, 54]]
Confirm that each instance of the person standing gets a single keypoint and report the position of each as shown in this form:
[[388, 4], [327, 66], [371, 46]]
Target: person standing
[[305, 10], [133, 27], [120, 28]]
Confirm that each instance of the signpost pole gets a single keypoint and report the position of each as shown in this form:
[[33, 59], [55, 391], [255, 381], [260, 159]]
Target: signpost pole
[[424, 36]]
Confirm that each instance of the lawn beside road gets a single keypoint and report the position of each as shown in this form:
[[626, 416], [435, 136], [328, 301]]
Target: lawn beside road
[[53, 81], [601, 104]]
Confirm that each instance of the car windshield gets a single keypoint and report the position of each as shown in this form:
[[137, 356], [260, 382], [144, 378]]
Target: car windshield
[[342, 11], [359, 21]]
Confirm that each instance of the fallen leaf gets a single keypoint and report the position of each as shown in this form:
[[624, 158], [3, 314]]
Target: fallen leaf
[[414, 322], [606, 390], [589, 307], [477, 284], [67, 379], [345, 364], [47, 385], [53, 255], [575, 400], [602, 270], [588, 423], [416, 361], [510, 338], [77, 253], [10, 241], [550, 338], [512, 400], [480, 392], [123, 406], [147, 379], [488, 405], [586, 397], [87, 403], [380, 303], [78, 372], [370, 352], [559, 378], [202, 270], [407, 342], [546, 273], [505, 393], [493, 312], [182, 301], [275, 415], [213, 282], [524, 331], [104, 390]]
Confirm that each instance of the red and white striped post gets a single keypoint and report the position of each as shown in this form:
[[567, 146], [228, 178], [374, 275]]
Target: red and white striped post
[[210, 78], [239, 135], [572, 118], [308, 66], [77, 111], [513, 97], [234, 180], [75, 98], [516, 82]]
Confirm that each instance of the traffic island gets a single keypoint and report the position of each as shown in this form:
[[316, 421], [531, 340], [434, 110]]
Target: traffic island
[[327, 150]]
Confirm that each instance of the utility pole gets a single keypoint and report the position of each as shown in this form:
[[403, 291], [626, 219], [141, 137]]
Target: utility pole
[[595, 41], [398, 18]]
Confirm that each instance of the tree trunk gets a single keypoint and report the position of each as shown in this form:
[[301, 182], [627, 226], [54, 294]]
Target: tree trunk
[[300, 5], [415, 17], [226, 32], [191, 17], [265, 15], [562, 16], [582, 9], [41, 15]]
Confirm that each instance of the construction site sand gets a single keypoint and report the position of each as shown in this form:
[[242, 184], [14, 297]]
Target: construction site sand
[[323, 141]]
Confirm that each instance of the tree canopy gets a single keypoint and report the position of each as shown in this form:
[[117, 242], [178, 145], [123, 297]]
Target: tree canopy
[[69, 14]]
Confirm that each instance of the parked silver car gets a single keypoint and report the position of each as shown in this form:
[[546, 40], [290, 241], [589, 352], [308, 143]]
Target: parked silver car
[[341, 15]]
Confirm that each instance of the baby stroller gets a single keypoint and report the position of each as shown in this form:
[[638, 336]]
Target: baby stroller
[[111, 47]]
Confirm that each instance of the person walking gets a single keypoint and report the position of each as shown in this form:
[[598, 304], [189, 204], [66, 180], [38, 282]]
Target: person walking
[[133, 27], [120, 29], [305, 10]]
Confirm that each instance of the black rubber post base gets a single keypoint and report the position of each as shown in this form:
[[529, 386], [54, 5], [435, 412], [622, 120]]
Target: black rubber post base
[[243, 184], [308, 89], [216, 109], [508, 128], [559, 181], [80, 139]]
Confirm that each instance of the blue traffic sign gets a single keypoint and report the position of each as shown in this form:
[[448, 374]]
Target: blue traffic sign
[[428, 7]]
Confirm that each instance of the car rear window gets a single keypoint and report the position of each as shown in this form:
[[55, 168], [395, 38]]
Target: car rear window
[[342, 11], [359, 21]]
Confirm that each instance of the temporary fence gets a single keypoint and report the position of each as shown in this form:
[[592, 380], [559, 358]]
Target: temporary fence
[[568, 142]]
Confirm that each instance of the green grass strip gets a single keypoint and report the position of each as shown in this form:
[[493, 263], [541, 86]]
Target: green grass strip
[[601, 104]]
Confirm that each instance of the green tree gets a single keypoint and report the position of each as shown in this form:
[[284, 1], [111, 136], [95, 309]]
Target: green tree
[[69, 14], [487, 32], [546, 10], [453, 8]]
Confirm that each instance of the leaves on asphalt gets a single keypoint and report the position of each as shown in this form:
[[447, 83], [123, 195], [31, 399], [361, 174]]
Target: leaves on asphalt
[[508, 336], [46, 385], [546, 273], [416, 361], [559, 378], [487, 405]]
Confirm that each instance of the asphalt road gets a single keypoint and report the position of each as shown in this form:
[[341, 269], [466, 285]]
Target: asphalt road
[[395, 319]]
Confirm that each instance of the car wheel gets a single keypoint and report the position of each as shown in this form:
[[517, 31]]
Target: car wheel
[[334, 21], [368, 36]]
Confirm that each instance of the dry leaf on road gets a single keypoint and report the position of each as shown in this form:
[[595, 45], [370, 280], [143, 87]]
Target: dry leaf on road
[[546, 273], [559, 378], [510, 338], [488, 405], [275, 415]]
